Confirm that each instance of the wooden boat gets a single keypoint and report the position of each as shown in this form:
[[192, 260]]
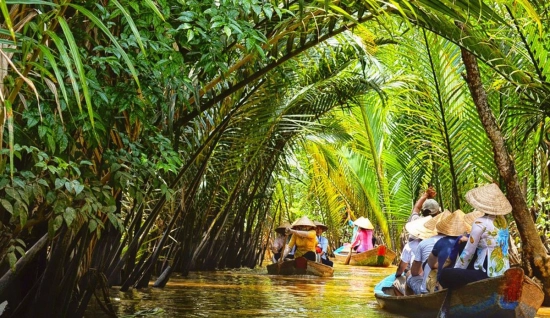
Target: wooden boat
[[510, 295], [311, 268], [380, 256]]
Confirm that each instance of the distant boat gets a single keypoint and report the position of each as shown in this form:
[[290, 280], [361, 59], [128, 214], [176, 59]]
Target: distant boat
[[380, 256], [311, 268], [510, 295]]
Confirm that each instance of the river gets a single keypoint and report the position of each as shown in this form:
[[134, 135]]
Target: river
[[253, 293]]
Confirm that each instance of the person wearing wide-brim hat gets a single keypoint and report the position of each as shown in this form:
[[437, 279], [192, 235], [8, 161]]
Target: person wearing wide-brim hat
[[322, 245], [419, 270], [452, 226], [488, 239], [363, 240], [416, 229], [426, 205], [279, 241], [303, 237]]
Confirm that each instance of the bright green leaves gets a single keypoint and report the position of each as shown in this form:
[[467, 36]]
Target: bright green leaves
[[16, 247]]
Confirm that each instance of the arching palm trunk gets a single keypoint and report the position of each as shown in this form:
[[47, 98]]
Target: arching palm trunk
[[534, 253]]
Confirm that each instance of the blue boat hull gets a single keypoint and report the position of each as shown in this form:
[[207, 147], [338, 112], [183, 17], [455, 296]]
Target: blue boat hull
[[511, 295]]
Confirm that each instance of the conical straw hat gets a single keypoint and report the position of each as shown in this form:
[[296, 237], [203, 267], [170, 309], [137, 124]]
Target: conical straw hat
[[321, 225], [489, 199], [430, 225], [364, 223], [452, 225], [417, 228], [472, 216], [281, 228], [303, 221]]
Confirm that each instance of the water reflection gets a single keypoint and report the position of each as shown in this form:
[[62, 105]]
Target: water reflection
[[253, 293]]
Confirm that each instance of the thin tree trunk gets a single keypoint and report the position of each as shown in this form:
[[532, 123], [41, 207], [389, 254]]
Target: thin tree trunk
[[535, 258]]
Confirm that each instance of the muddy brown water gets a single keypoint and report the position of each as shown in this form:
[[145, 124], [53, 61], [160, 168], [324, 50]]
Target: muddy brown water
[[253, 293]]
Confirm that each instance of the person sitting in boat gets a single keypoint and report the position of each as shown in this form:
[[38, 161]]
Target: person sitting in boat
[[451, 227], [456, 248], [304, 238], [407, 255], [279, 241], [425, 206], [488, 240], [363, 241], [419, 271], [322, 246]]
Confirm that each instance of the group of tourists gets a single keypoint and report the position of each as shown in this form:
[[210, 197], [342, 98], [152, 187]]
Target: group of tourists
[[306, 240], [449, 250]]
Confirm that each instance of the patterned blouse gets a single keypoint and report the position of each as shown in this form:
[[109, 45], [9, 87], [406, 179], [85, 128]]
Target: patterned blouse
[[488, 239]]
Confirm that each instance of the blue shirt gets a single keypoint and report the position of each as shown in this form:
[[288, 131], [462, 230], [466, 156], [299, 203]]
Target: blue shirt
[[442, 250]]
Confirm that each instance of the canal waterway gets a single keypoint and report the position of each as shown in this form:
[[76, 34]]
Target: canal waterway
[[253, 293]]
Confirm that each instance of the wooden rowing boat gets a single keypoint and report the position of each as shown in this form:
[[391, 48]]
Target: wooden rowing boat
[[379, 256], [289, 268], [510, 295]]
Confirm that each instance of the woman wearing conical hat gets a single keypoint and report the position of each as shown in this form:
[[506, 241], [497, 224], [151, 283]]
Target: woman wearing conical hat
[[488, 240], [303, 237], [279, 241], [363, 241], [452, 227]]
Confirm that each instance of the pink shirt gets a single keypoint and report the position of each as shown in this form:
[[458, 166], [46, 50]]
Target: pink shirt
[[364, 240]]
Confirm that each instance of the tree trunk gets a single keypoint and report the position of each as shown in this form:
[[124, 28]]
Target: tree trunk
[[535, 259]]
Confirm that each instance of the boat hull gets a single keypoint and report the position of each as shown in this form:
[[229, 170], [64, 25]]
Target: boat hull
[[289, 268], [510, 295], [379, 256]]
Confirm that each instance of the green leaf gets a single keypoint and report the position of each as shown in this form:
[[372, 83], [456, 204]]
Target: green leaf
[[69, 215], [59, 183], [92, 225], [79, 66], [105, 30], [227, 31], [23, 218], [60, 82], [190, 35], [62, 51], [57, 222], [78, 187], [132, 25], [7, 205], [7, 19], [20, 250], [12, 260], [153, 7]]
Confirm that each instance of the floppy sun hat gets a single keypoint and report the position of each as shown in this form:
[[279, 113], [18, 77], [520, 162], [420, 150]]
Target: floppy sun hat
[[418, 229], [489, 199], [453, 224]]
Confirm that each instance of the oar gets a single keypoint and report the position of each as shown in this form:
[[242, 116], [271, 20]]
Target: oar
[[349, 256], [280, 261]]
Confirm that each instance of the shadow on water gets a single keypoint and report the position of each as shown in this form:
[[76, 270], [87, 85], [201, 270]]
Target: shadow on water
[[253, 293]]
